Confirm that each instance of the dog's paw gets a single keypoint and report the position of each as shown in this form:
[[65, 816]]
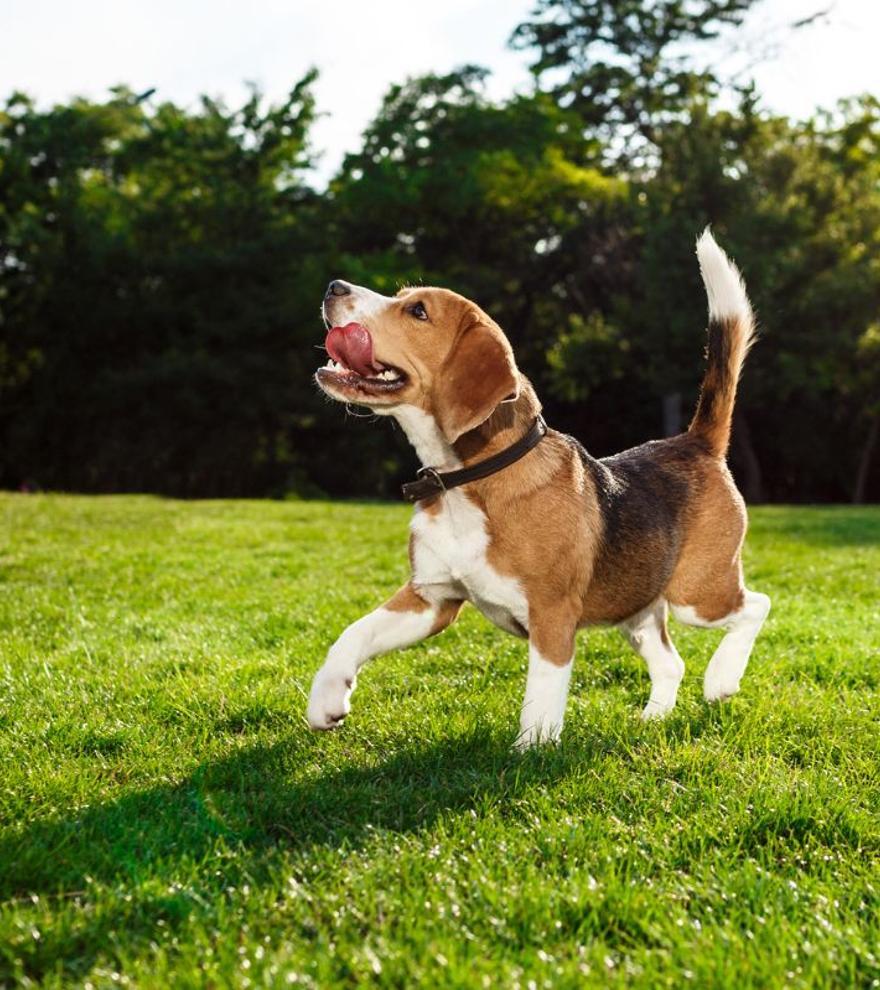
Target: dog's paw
[[329, 700], [537, 735], [719, 687], [656, 710]]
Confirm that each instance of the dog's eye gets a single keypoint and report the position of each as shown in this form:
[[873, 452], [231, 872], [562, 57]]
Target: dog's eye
[[418, 311]]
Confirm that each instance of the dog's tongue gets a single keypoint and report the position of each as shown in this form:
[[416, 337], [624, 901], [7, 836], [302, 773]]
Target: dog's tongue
[[352, 346]]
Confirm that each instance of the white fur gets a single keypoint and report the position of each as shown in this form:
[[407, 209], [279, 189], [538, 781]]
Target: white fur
[[380, 631], [358, 306], [729, 661], [688, 616], [724, 285], [422, 431], [665, 666], [449, 549], [367, 303], [543, 710], [449, 561], [450, 545]]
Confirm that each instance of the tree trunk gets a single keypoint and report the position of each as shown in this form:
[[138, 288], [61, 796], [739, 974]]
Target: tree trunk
[[747, 459], [861, 489]]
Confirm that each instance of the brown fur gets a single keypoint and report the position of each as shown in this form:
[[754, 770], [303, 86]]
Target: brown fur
[[730, 340], [458, 363], [407, 599], [605, 564], [591, 541], [478, 374]]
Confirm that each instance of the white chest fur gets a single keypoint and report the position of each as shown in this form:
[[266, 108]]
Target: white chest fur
[[449, 560], [449, 547]]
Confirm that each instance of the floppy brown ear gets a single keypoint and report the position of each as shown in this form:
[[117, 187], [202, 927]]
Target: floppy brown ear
[[478, 374]]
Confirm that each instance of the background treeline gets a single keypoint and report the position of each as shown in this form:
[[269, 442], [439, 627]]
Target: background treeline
[[161, 268]]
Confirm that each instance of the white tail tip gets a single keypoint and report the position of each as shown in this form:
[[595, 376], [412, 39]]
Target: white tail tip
[[724, 285]]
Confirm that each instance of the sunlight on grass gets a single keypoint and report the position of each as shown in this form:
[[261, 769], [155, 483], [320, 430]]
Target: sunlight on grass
[[167, 819]]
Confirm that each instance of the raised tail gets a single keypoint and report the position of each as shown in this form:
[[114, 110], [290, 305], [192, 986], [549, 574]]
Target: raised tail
[[731, 334]]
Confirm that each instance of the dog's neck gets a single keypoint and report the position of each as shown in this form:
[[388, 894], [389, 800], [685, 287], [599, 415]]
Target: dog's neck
[[510, 422], [424, 433]]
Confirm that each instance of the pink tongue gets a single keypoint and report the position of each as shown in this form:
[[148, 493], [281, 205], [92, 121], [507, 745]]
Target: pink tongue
[[352, 346]]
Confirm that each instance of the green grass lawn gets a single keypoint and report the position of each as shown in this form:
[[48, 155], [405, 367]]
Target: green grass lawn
[[167, 819]]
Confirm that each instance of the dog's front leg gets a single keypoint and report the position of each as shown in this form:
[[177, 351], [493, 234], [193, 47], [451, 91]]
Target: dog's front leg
[[551, 653], [404, 619]]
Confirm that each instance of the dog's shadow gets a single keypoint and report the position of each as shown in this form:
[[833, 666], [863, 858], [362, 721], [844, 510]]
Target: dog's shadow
[[258, 800], [172, 851]]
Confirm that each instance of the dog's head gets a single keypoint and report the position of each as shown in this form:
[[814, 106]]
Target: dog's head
[[428, 348]]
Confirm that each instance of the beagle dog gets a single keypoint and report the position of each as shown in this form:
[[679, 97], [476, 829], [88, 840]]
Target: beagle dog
[[523, 522]]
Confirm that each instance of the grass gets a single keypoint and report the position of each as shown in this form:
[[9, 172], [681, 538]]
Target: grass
[[167, 819]]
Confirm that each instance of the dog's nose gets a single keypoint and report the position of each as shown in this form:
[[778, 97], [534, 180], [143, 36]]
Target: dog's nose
[[337, 288]]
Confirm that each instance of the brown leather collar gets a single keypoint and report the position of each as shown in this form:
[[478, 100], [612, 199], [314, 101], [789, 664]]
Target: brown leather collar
[[431, 482]]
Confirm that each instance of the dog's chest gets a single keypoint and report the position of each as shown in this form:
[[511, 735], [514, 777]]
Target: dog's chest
[[449, 551]]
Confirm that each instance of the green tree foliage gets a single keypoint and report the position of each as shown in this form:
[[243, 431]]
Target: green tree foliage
[[625, 65], [161, 268], [798, 205], [154, 264], [487, 198]]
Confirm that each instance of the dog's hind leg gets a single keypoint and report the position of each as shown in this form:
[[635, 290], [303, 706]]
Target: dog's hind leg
[[404, 619], [647, 634], [729, 661]]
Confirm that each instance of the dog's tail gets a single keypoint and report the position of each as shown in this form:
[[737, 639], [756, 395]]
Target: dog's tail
[[731, 334]]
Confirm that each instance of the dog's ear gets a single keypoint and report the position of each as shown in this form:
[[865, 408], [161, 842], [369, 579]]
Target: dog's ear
[[478, 374]]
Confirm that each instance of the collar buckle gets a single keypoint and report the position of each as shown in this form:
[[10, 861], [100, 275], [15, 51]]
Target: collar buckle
[[429, 482], [434, 475]]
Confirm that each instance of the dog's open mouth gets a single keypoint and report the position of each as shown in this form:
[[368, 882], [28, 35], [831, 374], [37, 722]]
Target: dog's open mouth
[[353, 366]]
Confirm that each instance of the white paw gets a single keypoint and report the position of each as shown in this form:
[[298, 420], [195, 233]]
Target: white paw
[[719, 687], [656, 710], [537, 735], [330, 699]]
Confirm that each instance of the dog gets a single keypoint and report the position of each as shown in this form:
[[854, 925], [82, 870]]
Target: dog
[[541, 537]]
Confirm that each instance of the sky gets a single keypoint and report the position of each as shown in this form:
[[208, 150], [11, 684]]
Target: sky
[[53, 50]]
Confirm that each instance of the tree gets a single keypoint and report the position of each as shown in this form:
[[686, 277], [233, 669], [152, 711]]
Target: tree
[[154, 262], [489, 199], [625, 66], [161, 268], [798, 205]]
